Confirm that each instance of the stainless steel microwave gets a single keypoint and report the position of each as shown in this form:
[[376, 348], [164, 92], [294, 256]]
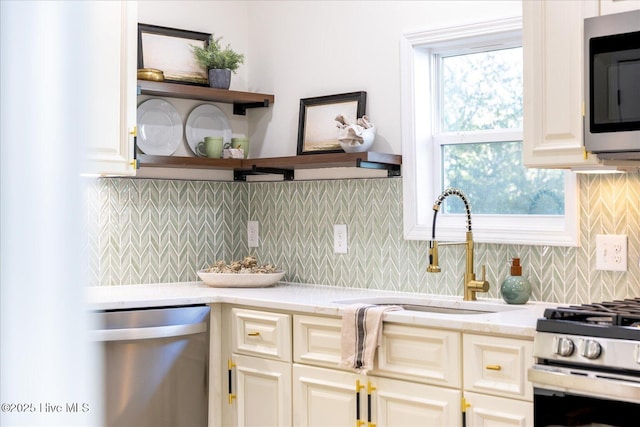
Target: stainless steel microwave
[[612, 85]]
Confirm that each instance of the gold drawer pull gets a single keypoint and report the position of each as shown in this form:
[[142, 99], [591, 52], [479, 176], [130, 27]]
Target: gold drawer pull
[[254, 334], [494, 367]]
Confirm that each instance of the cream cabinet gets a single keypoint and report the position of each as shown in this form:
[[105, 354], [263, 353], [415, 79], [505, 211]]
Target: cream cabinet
[[414, 353], [420, 354], [496, 390], [416, 379], [333, 398], [257, 357], [553, 83], [284, 369], [112, 112], [261, 394], [608, 7], [484, 410], [553, 41]]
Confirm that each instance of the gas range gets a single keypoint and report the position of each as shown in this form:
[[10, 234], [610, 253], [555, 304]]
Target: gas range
[[606, 335], [586, 354]]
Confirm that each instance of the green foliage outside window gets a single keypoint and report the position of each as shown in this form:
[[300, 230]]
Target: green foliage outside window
[[483, 92]]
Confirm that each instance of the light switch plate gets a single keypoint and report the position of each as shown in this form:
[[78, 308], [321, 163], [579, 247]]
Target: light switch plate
[[252, 234], [611, 252], [340, 239]]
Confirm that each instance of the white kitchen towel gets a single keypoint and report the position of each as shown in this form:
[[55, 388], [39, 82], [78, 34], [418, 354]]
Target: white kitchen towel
[[361, 332]]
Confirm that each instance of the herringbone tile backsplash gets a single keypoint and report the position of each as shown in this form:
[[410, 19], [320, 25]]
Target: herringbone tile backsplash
[[147, 231]]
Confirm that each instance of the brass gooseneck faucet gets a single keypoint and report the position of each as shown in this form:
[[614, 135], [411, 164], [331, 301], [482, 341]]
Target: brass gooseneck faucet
[[471, 285]]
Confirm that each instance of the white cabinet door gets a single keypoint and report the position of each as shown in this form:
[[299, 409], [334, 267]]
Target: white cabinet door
[[325, 397], [608, 7], [489, 411], [330, 398], [553, 83], [112, 73], [407, 404], [262, 392]]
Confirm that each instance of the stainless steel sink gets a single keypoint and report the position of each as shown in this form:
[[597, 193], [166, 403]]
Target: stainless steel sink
[[430, 305]]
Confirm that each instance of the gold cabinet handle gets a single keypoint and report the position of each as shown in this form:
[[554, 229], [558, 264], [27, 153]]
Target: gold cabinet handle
[[493, 367], [465, 405], [134, 131], [254, 334], [230, 366], [359, 386], [370, 389]]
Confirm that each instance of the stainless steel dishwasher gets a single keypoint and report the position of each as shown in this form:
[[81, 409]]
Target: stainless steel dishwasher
[[155, 366]]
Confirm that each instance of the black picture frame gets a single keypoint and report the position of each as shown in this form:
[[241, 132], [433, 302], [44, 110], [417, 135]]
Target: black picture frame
[[169, 50], [317, 130]]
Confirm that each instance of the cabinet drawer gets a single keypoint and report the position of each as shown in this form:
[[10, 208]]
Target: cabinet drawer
[[420, 354], [317, 340], [261, 333], [498, 366]]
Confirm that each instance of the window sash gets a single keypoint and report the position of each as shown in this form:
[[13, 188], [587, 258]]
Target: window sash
[[421, 146]]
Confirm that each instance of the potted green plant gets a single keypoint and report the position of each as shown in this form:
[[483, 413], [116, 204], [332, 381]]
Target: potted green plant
[[219, 62]]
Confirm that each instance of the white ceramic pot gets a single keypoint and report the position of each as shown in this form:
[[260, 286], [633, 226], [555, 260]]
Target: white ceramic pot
[[368, 136]]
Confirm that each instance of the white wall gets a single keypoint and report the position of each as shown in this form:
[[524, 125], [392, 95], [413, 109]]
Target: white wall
[[226, 19], [301, 49]]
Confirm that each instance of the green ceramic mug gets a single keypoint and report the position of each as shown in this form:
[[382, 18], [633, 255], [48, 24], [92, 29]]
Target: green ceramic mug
[[213, 146]]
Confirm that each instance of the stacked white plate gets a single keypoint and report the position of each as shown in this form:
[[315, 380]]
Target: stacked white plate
[[206, 120], [159, 127]]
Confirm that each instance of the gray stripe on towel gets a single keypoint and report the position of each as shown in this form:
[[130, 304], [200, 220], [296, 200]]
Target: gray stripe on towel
[[361, 335]]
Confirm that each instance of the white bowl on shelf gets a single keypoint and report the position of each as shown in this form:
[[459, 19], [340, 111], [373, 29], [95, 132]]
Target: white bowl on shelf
[[368, 136]]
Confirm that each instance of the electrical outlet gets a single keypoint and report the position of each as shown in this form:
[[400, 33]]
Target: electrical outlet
[[340, 244], [252, 234], [611, 252]]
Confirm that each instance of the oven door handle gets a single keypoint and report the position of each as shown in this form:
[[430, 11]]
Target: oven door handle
[[587, 383]]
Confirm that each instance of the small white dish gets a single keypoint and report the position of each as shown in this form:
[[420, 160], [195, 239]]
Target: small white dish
[[240, 280], [206, 120], [159, 128]]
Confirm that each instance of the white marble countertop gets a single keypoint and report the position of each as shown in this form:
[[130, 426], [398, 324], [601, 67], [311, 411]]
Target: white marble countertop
[[515, 320]]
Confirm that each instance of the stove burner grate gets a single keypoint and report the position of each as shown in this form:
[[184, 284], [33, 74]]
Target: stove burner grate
[[619, 313], [619, 319]]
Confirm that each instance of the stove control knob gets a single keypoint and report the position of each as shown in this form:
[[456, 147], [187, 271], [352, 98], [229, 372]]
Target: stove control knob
[[591, 349], [564, 347]]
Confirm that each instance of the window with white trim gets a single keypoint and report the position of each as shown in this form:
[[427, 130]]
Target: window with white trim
[[462, 127]]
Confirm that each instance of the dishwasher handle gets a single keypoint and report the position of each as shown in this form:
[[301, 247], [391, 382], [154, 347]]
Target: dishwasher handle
[[131, 334]]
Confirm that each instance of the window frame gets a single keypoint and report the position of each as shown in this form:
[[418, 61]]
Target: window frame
[[419, 182]]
